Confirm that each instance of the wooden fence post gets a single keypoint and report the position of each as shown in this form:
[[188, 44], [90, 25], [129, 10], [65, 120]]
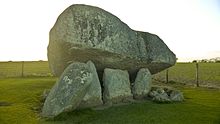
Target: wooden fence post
[[167, 76], [22, 69], [197, 74]]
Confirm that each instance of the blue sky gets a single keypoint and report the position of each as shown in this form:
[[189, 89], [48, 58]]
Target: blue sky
[[190, 28]]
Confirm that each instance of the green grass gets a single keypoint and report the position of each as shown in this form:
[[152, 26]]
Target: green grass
[[209, 74], [24, 95], [202, 106], [31, 68]]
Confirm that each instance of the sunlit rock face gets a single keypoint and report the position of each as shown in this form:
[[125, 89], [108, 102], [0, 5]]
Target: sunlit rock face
[[93, 95], [69, 90], [83, 33], [142, 84], [116, 86]]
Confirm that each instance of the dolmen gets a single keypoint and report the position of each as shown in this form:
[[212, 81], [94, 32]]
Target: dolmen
[[100, 60]]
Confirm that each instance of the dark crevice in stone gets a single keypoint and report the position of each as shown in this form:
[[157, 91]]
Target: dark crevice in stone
[[100, 75]]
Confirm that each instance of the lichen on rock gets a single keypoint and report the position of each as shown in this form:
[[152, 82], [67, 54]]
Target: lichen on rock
[[84, 32]]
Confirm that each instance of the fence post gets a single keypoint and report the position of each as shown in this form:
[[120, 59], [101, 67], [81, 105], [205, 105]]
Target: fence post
[[167, 76], [197, 74], [22, 69]]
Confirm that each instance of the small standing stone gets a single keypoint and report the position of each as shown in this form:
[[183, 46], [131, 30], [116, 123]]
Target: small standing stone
[[116, 86], [142, 84], [68, 91]]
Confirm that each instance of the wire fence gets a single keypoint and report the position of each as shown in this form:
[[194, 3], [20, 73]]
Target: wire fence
[[204, 74], [24, 69], [207, 74]]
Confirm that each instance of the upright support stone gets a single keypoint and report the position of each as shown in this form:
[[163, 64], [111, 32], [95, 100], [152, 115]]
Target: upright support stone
[[93, 96], [142, 84], [116, 86], [68, 91]]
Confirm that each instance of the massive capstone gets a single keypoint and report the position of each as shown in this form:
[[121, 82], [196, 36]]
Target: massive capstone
[[83, 33]]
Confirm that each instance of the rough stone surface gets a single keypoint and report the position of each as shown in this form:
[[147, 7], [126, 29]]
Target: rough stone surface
[[68, 91], [93, 96], [83, 33], [159, 95], [45, 94], [116, 86], [176, 96], [142, 84], [164, 94]]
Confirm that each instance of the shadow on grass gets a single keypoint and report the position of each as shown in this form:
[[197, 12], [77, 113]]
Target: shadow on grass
[[145, 112], [5, 103]]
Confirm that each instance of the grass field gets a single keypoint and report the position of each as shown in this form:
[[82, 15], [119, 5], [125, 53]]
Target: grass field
[[21, 98], [209, 74], [30, 68]]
